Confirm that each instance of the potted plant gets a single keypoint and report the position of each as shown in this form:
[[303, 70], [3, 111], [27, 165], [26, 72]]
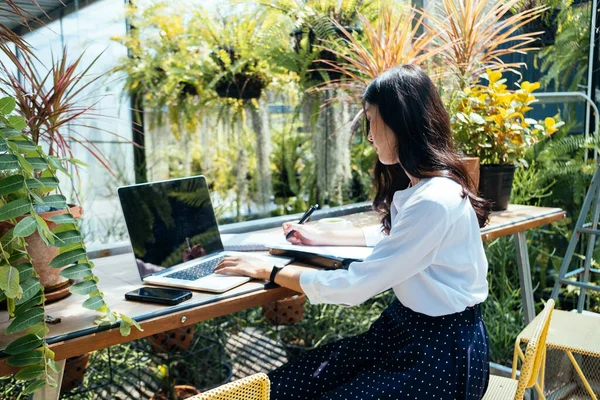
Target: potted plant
[[168, 391], [490, 123], [29, 186]]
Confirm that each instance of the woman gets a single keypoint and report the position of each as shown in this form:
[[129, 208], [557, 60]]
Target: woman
[[431, 342]]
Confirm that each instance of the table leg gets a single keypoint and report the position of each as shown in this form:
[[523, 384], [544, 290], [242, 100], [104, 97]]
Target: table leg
[[50, 393], [525, 277]]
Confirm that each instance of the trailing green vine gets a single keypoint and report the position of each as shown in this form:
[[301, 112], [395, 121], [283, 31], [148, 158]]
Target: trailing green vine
[[28, 177]]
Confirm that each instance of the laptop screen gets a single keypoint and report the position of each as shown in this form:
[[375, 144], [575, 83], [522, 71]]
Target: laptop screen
[[169, 222]]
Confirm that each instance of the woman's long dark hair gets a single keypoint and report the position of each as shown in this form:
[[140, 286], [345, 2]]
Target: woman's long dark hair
[[411, 106]]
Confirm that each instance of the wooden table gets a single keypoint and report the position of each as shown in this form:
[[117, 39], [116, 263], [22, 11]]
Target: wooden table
[[77, 334]]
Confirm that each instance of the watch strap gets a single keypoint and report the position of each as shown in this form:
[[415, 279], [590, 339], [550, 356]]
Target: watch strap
[[274, 271]]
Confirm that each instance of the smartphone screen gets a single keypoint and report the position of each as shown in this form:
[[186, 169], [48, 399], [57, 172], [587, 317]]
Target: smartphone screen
[[159, 295]]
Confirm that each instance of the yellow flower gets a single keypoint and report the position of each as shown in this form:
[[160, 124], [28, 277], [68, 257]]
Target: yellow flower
[[530, 87], [550, 124], [493, 76]]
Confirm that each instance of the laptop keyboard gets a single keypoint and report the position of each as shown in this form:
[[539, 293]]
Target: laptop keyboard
[[197, 271]]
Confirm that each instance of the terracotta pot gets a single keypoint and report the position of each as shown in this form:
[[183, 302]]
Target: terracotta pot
[[75, 368], [181, 392], [287, 311], [42, 254], [472, 166], [175, 340]]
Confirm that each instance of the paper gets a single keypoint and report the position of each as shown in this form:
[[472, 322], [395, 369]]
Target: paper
[[342, 252], [252, 241]]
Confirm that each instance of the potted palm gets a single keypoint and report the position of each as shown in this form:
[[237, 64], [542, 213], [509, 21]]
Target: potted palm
[[490, 122]]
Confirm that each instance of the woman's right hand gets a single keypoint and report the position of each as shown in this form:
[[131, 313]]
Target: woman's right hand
[[304, 234]]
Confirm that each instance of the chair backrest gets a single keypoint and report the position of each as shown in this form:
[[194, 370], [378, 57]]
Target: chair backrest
[[535, 351], [253, 387]]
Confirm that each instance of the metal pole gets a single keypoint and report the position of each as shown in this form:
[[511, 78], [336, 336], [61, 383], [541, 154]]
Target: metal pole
[[591, 56]]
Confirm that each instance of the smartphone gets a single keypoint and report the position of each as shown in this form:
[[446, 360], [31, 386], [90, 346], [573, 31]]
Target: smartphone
[[159, 295]]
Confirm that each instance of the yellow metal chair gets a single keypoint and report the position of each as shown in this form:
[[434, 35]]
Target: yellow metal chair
[[533, 359], [572, 333], [253, 387]]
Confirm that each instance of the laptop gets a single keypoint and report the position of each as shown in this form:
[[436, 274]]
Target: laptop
[[175, 236]]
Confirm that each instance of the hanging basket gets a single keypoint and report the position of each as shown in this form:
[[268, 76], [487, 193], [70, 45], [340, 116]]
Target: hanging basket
[[322, 71], [287, 311]]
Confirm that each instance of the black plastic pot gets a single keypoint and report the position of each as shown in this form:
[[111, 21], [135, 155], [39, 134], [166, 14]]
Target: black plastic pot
[[292, 350], [495, 184]]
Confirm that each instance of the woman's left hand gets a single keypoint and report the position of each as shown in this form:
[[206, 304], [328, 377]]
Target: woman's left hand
[[244, 266]]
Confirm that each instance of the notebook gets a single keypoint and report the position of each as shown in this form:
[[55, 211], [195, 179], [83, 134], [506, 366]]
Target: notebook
[[331, 257]]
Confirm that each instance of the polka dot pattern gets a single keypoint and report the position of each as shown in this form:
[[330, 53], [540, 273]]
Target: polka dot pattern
[[404, 355]]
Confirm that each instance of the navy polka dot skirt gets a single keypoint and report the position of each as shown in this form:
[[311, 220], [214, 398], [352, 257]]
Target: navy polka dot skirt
[[404, 355]]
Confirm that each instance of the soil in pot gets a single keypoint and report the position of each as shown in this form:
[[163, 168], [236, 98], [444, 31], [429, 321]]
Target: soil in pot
[[180, 392], [495, 184], [296, 341], [287, 311]]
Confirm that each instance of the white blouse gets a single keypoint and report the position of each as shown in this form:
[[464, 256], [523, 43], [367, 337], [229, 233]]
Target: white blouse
[[433, 257]]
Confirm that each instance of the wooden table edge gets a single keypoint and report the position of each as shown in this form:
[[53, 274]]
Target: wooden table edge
[[523, 226], [111, 337]]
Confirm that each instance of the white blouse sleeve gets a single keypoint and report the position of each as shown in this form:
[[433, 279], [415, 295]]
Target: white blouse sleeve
[[409, 249], [373, 234]]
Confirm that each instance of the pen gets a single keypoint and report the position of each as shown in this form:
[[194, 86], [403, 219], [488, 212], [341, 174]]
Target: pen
[[303, 219]]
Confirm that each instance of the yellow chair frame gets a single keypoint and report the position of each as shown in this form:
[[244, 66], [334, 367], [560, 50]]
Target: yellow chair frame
[[253, 387], [532, 361]]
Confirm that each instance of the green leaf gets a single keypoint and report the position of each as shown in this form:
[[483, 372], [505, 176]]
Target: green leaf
[[25, 165], [25, 227], [68, 237], [43, 230], [40, 330], [33, 302], [85, 287], [8, 161], [7, 105], [9, 281], [11, 184], [10, 132], [3, 145], [23, 144], [14, 209], [25, 320], [2, 295], [17, 122], [42, 183], [68, 247], [76, 271], [34, 386], [37, 162], [131, 321], [24, 359], [25, 271], [94, 303], [53, 365], [31, 372], [63, 219], [124, 328], [56, 201], [23, 344], [67, 258], [30, 287]]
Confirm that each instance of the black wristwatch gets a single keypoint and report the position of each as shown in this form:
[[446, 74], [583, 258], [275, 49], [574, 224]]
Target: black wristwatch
[[274, 272]]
